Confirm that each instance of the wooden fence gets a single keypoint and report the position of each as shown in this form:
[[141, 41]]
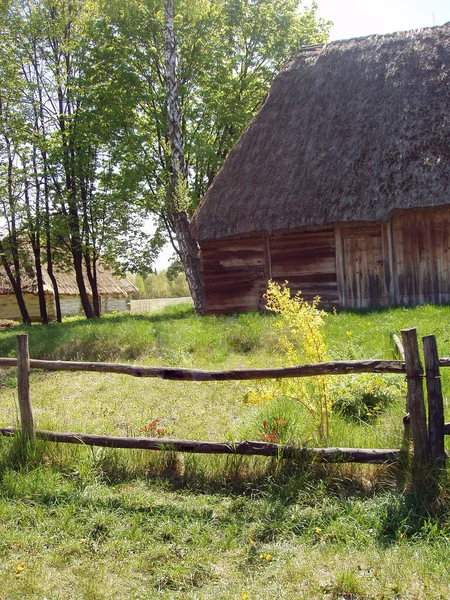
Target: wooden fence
[[427, 435]]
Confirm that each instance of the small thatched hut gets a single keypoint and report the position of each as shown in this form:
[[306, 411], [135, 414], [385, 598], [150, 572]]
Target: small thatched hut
[[114, 294], [341, 183]]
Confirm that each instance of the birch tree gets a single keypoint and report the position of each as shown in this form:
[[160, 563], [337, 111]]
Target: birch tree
[[177, 188], [214, 78]]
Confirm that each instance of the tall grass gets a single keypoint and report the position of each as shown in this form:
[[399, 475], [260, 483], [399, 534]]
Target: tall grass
[[121, 405], [86, 523]]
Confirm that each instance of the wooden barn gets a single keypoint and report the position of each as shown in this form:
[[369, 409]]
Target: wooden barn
[[341, 183], [114, 294]]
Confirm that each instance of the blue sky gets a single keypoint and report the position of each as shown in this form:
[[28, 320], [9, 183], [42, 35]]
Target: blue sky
[[354, 18]]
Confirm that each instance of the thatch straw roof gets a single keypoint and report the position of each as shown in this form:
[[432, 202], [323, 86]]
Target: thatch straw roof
[[348, 132], [107, 283]]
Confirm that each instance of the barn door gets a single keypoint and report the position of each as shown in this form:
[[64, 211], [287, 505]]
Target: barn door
[[360, 266], [421, 240]]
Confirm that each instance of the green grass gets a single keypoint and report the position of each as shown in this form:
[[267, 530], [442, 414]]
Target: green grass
[[100, 524]]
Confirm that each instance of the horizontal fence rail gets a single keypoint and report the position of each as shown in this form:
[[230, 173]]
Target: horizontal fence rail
[[341, 455], [338, 367]]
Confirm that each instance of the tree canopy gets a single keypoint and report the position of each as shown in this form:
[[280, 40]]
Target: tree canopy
[[85, 153]]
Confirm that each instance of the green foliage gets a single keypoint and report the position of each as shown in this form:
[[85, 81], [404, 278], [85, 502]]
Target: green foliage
[[84, 154], [131, 524], [228, 51], [174, 269], [167, 533], [65, 119], [159, 285], [365, 397], [139, 283], [301, 340], [244, 333], [178, 287]]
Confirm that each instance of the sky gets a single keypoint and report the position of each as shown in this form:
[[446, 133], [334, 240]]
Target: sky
[[356, 18]]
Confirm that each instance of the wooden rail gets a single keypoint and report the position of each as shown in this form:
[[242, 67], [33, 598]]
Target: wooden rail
[[398, 346], [428, 440], [339, 367], [356, 455]]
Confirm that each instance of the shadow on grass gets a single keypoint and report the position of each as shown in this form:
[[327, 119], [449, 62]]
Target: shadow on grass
[[337, 504], [419, 512]]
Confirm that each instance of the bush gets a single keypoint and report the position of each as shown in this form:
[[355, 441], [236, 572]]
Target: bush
[[244, 333], [364, 397], [302, 340]]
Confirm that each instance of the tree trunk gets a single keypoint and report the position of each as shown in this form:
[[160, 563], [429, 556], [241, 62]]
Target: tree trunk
[[78, 266], [40, 282], [16, 285], [14, 277], [190, 257], [73, 221], [34, 227], [176, 193], [41, 125], [91, 270], [90, 251], [48, 243]]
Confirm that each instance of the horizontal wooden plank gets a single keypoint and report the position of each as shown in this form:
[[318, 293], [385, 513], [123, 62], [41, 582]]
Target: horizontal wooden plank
[[239, 290], [233, 273], [311, 237], [248, 261], [307, 279], [247, 448], [368, 230], [224, 253], [301, 245], [338, 367]]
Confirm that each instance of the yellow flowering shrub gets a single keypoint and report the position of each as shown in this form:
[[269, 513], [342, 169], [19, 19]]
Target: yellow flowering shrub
[[302, 341]]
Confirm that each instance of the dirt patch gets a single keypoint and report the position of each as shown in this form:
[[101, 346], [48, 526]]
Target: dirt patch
[[7, 323]]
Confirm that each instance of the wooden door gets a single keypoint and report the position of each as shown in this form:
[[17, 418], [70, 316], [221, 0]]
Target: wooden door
[[360, 266]]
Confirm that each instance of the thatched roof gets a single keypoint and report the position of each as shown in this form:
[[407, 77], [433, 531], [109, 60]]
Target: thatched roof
[[349, 132], [67, 285]]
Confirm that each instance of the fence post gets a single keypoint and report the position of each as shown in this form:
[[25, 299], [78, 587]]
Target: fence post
[[415, 399], [23, 388], [435, 401]]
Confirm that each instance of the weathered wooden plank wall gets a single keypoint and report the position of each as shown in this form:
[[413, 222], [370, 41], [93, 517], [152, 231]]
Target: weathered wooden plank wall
[[111, 303], [308, 261], [359, 250], [70, 305], [236, 271], [234, 274], [420, 243], [404, 261]]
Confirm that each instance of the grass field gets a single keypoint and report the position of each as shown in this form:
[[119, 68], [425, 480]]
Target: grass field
[[87, 523]]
